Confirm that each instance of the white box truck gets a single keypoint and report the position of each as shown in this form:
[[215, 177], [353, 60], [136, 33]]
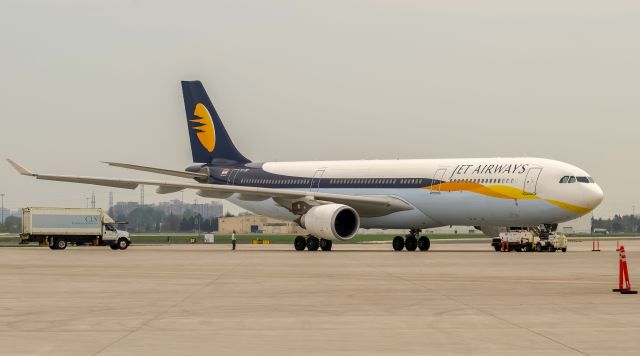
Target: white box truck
[[58, 227]]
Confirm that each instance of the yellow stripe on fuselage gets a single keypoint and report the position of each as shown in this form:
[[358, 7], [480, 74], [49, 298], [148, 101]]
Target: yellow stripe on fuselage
[[502, 192]]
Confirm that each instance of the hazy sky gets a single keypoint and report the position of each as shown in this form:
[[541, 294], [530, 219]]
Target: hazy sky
[[86, 81]]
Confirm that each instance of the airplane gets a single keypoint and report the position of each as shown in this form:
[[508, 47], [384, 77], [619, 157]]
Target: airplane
[[333, 199]]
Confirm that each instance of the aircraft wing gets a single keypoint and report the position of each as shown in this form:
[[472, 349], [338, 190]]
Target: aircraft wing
[[365, 205]]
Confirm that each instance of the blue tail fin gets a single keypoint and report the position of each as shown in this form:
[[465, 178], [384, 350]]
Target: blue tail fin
[[210, 142]]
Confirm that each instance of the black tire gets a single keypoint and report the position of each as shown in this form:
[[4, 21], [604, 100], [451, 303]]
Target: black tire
[[61, 243], [564, 249], [300, 243], [325, 245], [122, 244], [497, 248], [411, 243], [313, 243], [113, 246], [424, 243], [552, 248], [398, 243], [538, 247]]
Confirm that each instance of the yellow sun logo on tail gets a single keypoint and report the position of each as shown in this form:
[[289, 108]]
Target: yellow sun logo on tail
[[206, 132]]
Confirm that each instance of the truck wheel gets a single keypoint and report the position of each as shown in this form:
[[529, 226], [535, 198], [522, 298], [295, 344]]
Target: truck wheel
[[552, 248], [564, 249], [497, 248], [113, 246], [61, 243], [123, 244], [538, 247]]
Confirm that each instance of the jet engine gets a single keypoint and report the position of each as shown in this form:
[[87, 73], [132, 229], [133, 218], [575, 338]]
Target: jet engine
[[331, 222]]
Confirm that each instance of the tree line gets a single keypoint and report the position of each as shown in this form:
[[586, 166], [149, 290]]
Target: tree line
[[143, 219], [618, 224], [150, 219], [11, 224]]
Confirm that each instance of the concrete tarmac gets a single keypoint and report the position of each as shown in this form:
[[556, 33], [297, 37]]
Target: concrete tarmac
[[458, 299]]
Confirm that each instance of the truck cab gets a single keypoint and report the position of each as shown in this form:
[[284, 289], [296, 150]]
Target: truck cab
[[116, 239]]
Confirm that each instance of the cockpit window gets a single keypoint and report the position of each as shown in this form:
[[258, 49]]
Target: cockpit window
[[586, 180], [564, 179], [572, 179]]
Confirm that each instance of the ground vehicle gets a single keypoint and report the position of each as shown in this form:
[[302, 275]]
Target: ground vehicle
[[58, 227], [551, 242], [526, 240], [515, 240]]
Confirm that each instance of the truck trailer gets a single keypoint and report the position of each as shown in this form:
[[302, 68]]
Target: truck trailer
[[57, 227]]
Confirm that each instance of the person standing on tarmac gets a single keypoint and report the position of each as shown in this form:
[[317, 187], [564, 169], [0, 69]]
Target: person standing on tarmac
[[233, 240]]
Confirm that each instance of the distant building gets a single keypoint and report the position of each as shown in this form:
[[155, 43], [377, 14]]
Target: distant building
[[123, 208], [257, 224]]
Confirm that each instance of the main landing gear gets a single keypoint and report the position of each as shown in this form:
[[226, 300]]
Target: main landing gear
[[411, 242], [311, 243]]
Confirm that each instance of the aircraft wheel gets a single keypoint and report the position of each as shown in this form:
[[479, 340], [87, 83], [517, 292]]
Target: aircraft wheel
[[411, 243], [325, 245], [300, 243], [313, 243], [424, 243], [61, 243], [398, 243]]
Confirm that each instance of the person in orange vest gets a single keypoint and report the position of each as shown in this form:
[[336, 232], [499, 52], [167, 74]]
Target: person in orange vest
[[233, 240]]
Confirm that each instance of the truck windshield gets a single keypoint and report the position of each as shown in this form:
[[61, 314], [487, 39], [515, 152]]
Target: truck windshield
[[110, 227]]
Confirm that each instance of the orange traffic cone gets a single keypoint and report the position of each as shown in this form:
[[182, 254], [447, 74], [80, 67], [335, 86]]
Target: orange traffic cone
[[624, 285]]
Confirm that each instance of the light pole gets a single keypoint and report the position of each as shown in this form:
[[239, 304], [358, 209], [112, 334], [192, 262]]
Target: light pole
[[2, 209]]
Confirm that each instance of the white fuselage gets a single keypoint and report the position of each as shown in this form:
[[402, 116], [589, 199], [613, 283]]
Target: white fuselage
[[472, 191]]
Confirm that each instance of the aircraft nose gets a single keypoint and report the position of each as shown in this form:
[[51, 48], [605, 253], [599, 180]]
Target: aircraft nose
[[594, 196]]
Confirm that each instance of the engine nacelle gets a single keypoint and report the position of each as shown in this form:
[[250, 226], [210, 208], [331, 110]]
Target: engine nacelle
[[331, 222]]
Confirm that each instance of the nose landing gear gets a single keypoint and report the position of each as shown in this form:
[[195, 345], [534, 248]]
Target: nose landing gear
[[411, 242]]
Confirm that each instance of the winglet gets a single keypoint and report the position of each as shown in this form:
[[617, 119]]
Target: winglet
[[20, 169]]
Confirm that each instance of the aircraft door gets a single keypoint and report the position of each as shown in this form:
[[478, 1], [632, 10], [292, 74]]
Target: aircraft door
[[315, 181], [531, 181], [438, 176]]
